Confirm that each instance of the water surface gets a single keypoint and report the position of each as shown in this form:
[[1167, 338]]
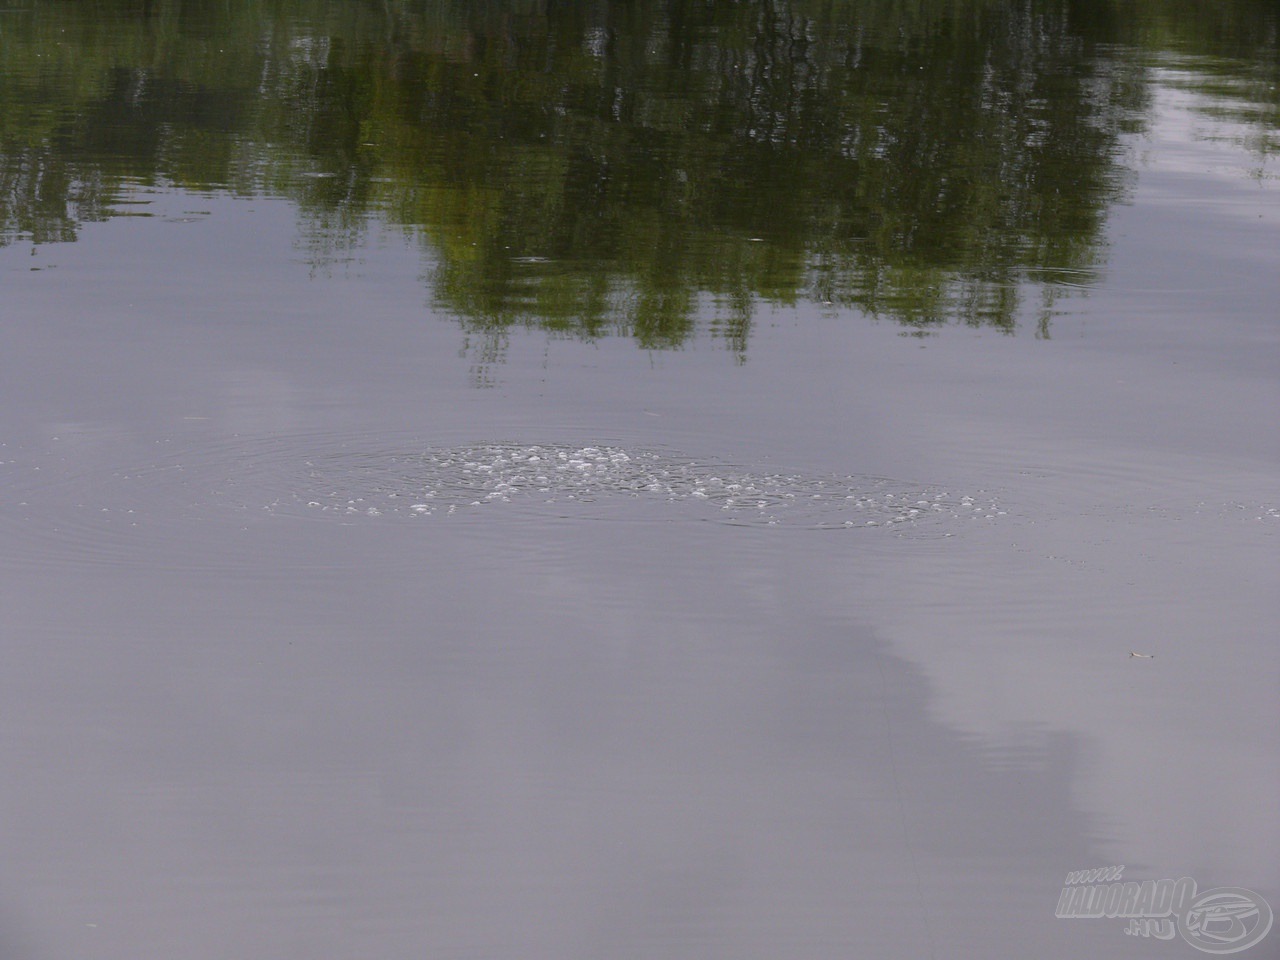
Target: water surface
[[650, 481]]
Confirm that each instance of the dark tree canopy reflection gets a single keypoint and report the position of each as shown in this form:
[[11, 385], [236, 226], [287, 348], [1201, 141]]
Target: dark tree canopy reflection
[[598, 168]]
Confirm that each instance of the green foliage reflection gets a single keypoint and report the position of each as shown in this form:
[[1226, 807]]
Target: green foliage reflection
[[599, 168]]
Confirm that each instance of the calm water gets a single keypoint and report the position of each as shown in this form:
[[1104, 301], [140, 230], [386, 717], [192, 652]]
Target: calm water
[[649, 480]]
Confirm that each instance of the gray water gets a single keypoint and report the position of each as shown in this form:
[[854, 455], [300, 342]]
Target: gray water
[[337, 627]]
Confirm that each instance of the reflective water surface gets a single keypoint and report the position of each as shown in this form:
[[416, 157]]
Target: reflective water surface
[[652, 480]]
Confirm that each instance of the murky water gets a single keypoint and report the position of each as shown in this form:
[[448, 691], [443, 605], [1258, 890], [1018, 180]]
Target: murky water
[[754, 480]]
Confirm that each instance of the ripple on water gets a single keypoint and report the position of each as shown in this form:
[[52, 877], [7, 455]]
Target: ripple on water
[[445, 481], [65, 506]]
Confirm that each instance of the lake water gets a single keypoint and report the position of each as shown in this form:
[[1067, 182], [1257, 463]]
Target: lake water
[[664, 480]]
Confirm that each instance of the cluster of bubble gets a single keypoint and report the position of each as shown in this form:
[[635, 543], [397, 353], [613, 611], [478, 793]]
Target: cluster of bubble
[[446, 481], [1251, 511]]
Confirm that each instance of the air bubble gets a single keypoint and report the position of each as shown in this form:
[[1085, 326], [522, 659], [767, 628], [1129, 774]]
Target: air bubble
[[489, 475]]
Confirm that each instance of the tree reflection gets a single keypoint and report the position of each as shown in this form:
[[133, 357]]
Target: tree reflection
[[599, 169]]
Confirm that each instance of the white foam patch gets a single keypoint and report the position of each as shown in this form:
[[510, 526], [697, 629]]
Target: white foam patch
[[446, 481]]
